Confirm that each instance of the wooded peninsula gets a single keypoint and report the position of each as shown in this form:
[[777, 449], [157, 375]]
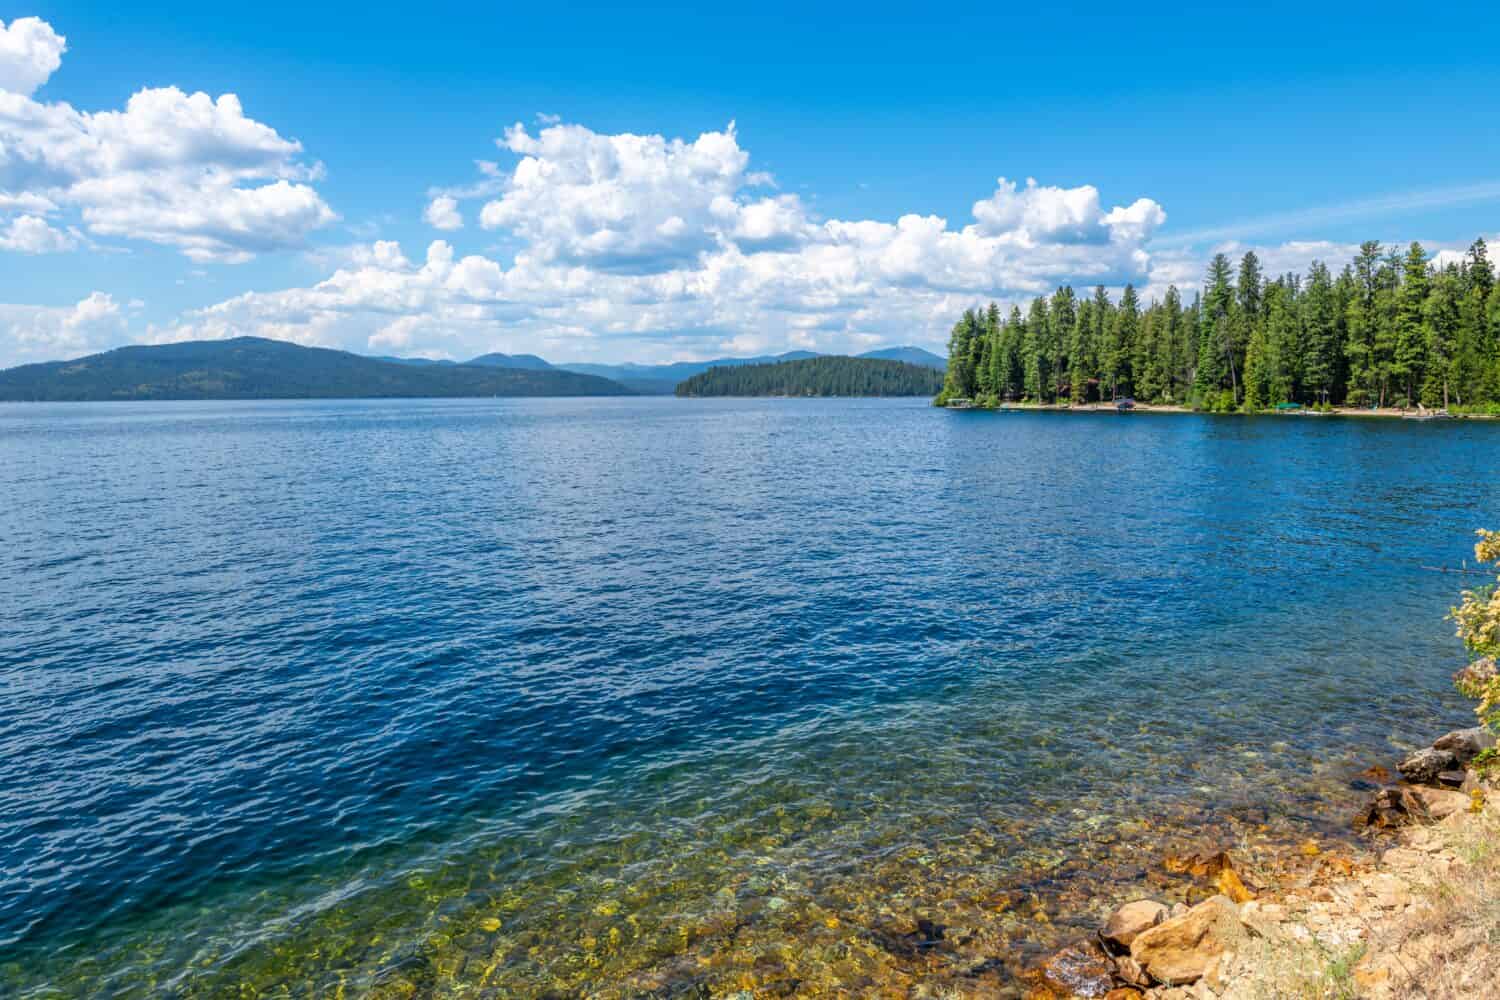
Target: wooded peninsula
[[1392, 329], [820, 376]]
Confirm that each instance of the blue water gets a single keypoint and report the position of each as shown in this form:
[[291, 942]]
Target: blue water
[[570, 697]]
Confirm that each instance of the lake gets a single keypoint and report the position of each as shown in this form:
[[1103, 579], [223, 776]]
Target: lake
[[659, 697]]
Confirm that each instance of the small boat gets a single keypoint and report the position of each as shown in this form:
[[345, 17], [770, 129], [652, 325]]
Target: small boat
[[1124, 405], [1423, 413]]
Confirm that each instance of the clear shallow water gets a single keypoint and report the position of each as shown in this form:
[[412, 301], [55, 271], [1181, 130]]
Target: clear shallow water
[[656, 696]]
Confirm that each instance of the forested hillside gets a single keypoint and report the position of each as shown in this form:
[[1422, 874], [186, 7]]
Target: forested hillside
[[1389, 329], [821, 376], [255, 368]]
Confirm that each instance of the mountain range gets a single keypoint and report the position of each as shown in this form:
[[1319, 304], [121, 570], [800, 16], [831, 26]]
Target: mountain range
[[257, 368], [662, 379]]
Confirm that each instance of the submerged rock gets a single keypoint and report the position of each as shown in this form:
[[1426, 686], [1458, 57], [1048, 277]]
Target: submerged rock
[[1423, 767], [1180, 950], [1466, 744], [1080, 970], [1128, 921]]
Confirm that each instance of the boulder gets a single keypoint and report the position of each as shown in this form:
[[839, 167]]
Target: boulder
[[1442, 802], [1129, 920], [1079, 970], [1466, 744], [1453, 779], [1180, 950], [1423, 767], [1392, 808]]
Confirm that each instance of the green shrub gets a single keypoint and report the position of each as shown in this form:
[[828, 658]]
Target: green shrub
[[1478, 620]]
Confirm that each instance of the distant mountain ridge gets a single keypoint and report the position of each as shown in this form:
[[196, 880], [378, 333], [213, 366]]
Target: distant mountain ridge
[[911, 355], [257, 368], [662, 379], [527, 361]]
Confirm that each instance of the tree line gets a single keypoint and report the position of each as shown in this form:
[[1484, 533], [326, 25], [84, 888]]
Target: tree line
[[822, 376], [1390, 329]]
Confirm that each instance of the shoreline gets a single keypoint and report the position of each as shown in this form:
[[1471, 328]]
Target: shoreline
[[1384, 413], [1417, 918]]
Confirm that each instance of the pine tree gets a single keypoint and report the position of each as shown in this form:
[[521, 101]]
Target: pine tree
[[1411, 332], [1440, 314], [1284, 324], [1360, 321], [1012, 335], [1258, 367], [1146, 356], [1492, 313], [1215, 360], [1480, 272], [992, 336], [1064, 316], [958, 378], [1037, 352], [979, 355], [1081, 353], [1175, 349], [1122, 334], [1320, 331], [1103, 315]]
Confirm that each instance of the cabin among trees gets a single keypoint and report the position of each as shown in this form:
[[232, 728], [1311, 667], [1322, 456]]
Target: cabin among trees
[[1390, 329]]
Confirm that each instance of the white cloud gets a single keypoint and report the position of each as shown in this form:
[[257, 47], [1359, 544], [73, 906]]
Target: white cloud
[[49, 333], [30, 52], [644, 246], [183, 170], [30, 234], [1036, 215], [625, 203], [442, 213]]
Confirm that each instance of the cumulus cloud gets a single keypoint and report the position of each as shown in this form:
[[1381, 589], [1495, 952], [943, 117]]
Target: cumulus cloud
[[30, 52], [625, 203], [183, 170], [30, 234], [665, 248], [47, 333], [1037, 215], [442, 213]]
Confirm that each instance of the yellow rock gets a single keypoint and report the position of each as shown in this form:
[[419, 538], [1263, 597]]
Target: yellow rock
[[1230, 885], [1309, 849]]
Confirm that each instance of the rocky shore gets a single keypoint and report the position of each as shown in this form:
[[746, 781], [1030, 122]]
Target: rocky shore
[[1421, 918]]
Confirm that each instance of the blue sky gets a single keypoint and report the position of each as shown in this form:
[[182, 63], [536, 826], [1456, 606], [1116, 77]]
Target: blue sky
[[1295, 129]]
